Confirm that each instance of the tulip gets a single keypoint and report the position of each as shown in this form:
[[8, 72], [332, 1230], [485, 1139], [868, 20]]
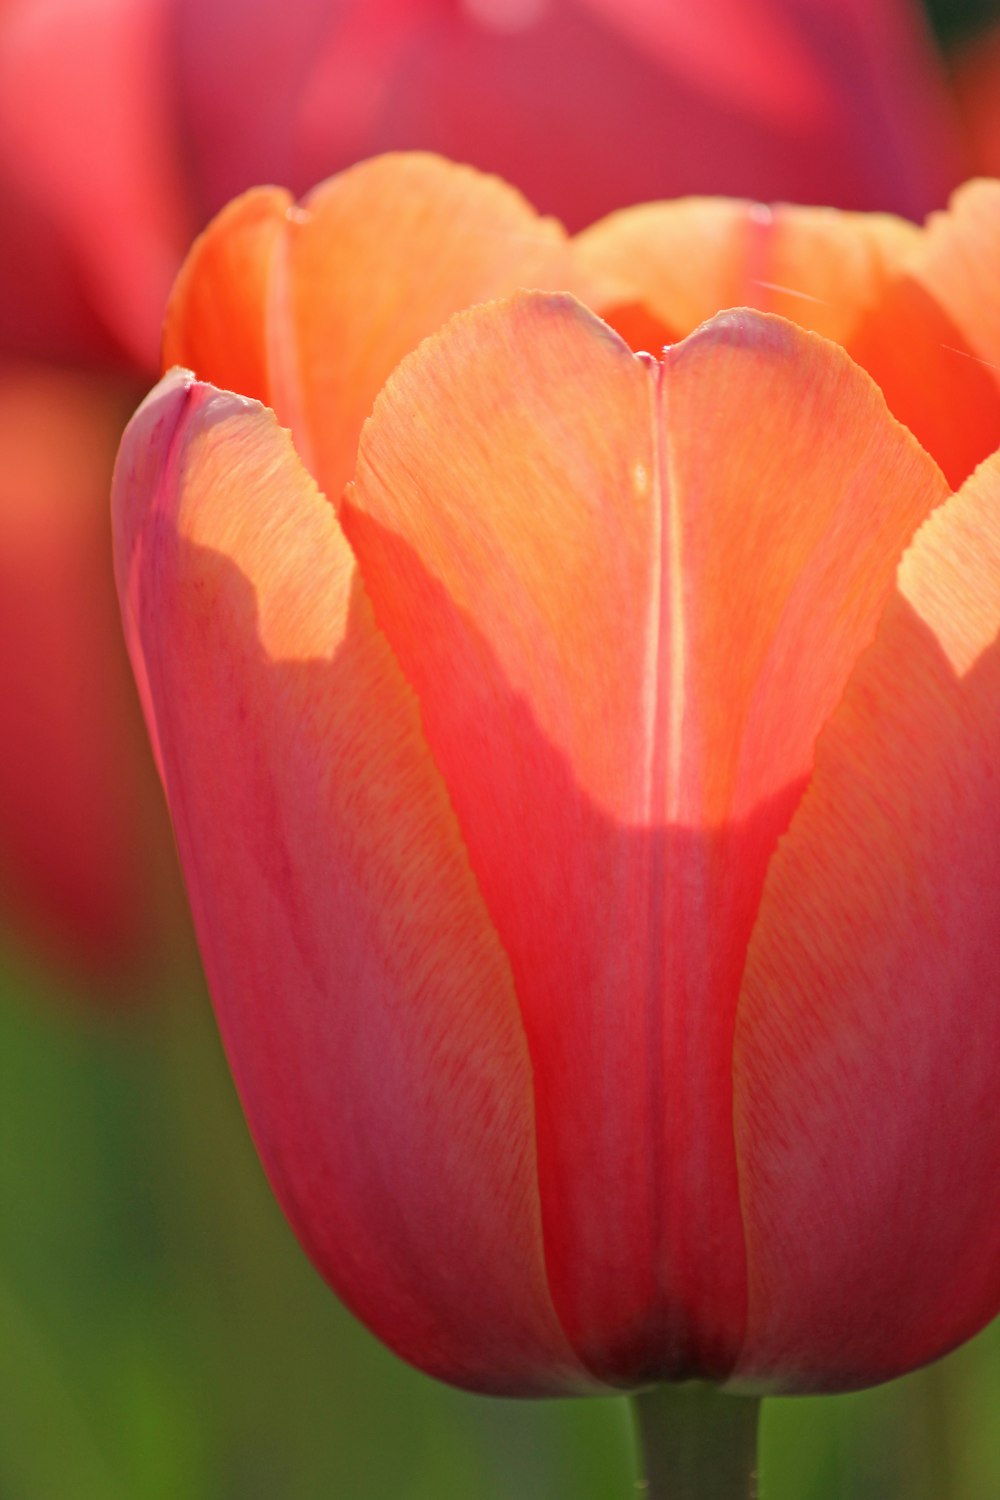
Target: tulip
[[125, 123], [583, 768]]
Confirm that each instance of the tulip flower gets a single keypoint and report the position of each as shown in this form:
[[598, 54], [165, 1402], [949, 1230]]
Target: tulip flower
[[125, 123], [582, 761]]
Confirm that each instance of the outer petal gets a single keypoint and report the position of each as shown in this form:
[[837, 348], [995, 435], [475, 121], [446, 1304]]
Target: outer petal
[[221, 320], [364, 1000], [335, 293], [868, 1037], [85, 144], [564, 547], [81, 825]]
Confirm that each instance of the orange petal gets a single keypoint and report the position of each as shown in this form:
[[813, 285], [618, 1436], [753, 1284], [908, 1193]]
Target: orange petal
[[933, 343], [80, 818], [627, 599], [371, 263], [868, 1035], [957, 264], [919, 310], [365, 1004], [685, 261], [218, 323]]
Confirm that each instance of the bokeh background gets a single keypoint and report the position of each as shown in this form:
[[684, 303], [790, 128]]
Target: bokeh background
[[162, 1337]]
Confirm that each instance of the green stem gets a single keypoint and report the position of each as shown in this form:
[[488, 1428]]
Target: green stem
[[696, 1443]]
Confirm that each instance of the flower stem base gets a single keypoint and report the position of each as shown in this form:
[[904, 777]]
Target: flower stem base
[[696, 1443]]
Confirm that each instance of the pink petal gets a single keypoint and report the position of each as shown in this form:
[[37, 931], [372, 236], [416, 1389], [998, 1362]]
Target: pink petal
[[868, 1033], [365, 1003]]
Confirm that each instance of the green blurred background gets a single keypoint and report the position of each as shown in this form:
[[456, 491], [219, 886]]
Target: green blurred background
[[957, 20], [162, 1337]]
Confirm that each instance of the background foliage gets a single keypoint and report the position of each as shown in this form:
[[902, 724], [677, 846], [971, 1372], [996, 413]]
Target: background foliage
[[957, 20], [162, 1337]]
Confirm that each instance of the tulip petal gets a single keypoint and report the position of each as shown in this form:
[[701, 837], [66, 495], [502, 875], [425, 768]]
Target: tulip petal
[[365, 1003], [371, 263], [868, 1034], [918, 309], [217, 323], [687, 260], [933, 343], [563, 544], [957, 265]]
